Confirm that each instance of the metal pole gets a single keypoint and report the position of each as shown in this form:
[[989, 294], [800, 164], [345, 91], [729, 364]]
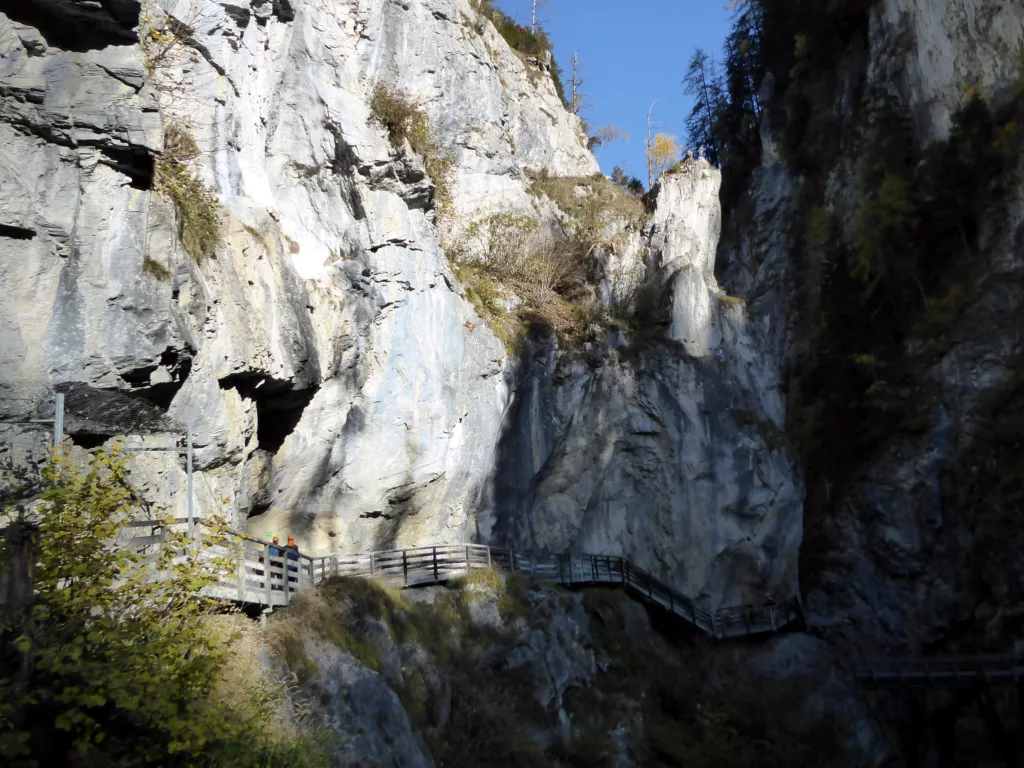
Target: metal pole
[[188, 470], [58, 421]]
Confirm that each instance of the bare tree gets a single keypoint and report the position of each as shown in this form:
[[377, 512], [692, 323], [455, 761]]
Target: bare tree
[[576, 84], [536, 6], [650, 145]]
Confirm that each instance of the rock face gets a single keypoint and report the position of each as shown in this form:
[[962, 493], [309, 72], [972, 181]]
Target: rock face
[[915, 550], [669, 452], [337, 384], [934, 50]]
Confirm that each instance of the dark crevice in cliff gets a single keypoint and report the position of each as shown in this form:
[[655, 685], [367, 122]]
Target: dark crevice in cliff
[[283, 10], [175, 363], [279, 406], [16, 233], [78, 26], [134, 162], [93, 415]]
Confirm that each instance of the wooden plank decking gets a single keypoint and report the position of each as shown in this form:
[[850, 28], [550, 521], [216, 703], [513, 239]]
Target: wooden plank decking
[[271, 580]]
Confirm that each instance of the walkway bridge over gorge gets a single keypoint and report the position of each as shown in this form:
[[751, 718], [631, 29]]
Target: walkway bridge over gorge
[[270, 580]]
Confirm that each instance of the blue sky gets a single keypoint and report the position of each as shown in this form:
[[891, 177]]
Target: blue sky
[[632, 52]]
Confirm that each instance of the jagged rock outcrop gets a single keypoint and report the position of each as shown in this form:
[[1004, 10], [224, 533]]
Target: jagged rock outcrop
[[671, 450], [338, 385]]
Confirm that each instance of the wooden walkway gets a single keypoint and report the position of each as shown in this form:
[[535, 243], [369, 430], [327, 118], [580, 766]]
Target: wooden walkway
[[270, 580], [951, 672]]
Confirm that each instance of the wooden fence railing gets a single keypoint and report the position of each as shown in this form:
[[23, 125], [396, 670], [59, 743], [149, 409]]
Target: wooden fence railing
[[939, 672], [271, 579]]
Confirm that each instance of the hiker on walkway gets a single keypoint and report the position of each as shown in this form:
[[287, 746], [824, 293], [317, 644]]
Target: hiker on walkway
[[275, 549], [292, 554]]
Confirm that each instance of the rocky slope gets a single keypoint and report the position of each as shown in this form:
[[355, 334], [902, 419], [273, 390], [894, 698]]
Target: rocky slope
[[338, 384], [516, 673]]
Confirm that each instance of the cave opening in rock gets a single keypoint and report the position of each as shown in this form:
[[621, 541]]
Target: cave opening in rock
[[78, 26], [88, 440], [16, 233], [279, 406], [175, 363], [134, 162]]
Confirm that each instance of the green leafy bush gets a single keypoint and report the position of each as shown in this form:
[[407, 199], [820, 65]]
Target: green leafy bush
[[122, 662], [195, 204]]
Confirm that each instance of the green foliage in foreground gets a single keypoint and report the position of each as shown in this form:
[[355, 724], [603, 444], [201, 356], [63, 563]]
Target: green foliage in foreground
[[116, 666]]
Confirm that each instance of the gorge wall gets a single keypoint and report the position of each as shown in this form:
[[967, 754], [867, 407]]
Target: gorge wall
[[339, 384], [879, 247], [343, 382]]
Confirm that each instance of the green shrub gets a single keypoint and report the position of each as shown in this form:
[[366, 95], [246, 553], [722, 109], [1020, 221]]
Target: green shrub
[[405, 120], [592, 205], [885, 227], [118, 666], [196, 206]]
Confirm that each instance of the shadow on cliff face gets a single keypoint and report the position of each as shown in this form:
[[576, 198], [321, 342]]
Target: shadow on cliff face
[[93, 415], [76, 26], [279, 405]]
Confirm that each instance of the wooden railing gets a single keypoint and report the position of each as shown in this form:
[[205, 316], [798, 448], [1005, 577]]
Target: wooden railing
[[271, 579], [940, 672]]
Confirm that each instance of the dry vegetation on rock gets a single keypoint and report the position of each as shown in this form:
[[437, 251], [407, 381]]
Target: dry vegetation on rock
[[195, 204], [405, 121]]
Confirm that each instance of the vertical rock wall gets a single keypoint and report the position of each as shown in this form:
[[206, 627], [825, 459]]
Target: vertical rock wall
[[338, 385]]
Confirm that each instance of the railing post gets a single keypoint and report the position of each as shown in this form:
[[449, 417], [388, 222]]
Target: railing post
[[286, 586], [405, 566], [188, 472], [266, 573], [511, 560], [58, 420], [433, 551], [241, 572], [467, 559], [335, 566], [488, 557]]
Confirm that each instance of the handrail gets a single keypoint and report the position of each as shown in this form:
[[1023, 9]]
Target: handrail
[[271, 579], [939, 672]]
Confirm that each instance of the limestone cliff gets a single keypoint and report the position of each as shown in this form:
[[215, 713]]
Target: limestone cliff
[[339, 384]]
